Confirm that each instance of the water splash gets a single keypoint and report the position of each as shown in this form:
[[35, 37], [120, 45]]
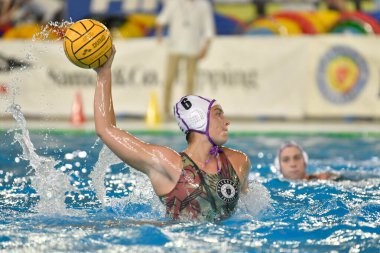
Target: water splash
[[50, 183], [98, 174], [141, 200], [256, 200], [52, 31], [141, 203]]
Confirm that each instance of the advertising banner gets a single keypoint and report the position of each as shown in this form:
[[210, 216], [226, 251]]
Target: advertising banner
[[49, 82], [287, 77]]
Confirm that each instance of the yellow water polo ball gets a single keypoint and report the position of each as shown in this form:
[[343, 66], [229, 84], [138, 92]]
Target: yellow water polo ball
[[87, 43]]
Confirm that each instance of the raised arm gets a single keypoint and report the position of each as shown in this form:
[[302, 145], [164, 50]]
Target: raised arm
[[160, 163]]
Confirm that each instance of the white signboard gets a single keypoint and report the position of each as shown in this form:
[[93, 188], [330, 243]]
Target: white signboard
[[290, 77]]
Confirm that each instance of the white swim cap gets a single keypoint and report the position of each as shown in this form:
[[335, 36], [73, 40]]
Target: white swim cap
[[192, 113], [290, 144]]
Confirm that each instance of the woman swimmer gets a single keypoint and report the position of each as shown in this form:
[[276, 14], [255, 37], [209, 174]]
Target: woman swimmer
[[204, 181], [292, 162]]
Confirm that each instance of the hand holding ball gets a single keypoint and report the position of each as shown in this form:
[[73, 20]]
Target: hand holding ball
[[88, 43]]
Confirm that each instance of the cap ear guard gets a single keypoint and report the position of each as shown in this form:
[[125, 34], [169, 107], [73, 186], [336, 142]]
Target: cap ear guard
[[197, 119]]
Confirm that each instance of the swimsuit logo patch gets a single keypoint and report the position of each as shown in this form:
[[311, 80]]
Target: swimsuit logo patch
[[227, 190]]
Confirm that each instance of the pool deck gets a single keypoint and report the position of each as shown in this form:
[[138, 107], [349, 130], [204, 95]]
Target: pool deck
[[362, 127]]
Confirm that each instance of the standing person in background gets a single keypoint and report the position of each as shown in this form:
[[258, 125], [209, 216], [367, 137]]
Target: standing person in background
[[191, 28]]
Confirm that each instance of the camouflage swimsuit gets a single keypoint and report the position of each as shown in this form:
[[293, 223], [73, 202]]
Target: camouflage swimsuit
[[203, 196]]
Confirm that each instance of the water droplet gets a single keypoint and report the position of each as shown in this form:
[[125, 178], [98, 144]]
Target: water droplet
[[69, 156], [82, 154]]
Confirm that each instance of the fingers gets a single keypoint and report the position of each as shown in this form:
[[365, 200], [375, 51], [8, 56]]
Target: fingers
[[113, 50], [108, 63]]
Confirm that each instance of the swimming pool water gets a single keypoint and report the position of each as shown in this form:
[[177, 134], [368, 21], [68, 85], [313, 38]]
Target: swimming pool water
[[57, 208]]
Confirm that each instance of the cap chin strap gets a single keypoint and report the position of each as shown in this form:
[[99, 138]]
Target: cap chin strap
[[215, 149]]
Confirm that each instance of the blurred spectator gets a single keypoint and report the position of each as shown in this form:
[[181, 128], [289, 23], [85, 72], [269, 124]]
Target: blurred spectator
[[260, 7], [40, 11], [22, 11], [300, 5], [191, 28], [336, 5], [22, 19], [8, 9]]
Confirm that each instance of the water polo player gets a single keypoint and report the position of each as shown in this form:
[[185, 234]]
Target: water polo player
[[204, 181], [292, 162]]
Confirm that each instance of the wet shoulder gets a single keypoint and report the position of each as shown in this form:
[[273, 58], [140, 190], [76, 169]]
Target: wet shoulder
[[234, 153], [236, 157], [240, 162]]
